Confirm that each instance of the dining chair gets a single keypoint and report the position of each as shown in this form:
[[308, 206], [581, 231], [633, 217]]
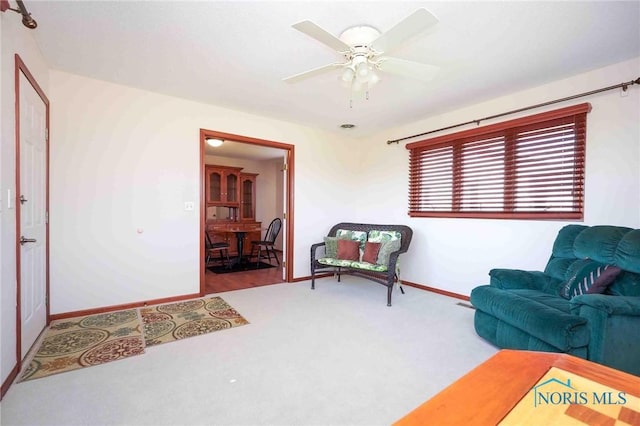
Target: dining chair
[[268, 243], [222, 248]]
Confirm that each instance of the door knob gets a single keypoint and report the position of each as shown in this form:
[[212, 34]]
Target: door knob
[[23, 200], [24, 240]]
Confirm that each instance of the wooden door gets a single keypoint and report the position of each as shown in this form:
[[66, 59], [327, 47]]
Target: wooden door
[[31, 210]]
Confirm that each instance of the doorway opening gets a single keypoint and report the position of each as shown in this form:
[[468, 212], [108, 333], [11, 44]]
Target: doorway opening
[[272, 164]]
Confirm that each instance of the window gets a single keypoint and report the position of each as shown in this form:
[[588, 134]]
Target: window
[[527, 168]]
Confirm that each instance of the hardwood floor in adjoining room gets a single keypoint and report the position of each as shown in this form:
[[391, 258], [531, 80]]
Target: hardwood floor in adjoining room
[[218, 283]]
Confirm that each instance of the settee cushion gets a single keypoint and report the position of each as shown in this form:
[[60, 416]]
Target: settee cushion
[[588, 276], [330, 261], [542, 315], [377, 236]]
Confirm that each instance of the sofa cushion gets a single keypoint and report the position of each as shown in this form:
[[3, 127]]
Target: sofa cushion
[[626, 284], [588, 276], [627, 254], [371, 252], [563, 244], [540, 314], [331, 247], [558, 266], [599, 243], [348, 249]]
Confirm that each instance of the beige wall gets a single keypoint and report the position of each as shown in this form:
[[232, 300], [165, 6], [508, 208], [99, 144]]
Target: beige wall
[[457, 254], [124, 162]]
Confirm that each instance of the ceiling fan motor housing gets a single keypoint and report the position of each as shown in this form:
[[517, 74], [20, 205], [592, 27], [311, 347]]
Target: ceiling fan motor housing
[[360, 36]]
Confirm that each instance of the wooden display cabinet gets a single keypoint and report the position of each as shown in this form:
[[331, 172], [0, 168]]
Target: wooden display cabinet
[[222, 186]]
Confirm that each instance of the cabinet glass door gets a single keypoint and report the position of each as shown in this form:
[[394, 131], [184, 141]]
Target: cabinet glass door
[[247, 199], [215, 187], [232, 187]]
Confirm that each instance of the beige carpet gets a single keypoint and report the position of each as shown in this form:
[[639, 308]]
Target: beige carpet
[[75, 343], [175, 321]]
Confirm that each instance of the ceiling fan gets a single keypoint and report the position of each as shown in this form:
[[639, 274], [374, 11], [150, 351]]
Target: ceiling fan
[[363, 49]]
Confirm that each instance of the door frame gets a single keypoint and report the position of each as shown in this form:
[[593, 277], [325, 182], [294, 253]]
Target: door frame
[[21, 67], [290, 157]]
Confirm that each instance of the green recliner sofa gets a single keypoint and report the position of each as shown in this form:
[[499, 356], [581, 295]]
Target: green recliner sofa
[[585, 303]]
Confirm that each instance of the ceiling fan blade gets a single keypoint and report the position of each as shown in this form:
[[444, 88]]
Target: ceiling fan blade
[[311, 73], [413, 24], [417, 70], [323, 36]]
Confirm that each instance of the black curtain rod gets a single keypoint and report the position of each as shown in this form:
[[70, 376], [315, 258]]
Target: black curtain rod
[[624, 86]]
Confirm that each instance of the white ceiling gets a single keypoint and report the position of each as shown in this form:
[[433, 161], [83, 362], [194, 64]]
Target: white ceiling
[[235, 53]]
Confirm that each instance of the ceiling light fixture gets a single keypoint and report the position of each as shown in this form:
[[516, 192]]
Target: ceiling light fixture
[[347, 126], [214, 142], [364, 49], [359, 70], [27, 20]]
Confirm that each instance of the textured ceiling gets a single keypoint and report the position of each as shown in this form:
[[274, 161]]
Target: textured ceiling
[[235, 53]]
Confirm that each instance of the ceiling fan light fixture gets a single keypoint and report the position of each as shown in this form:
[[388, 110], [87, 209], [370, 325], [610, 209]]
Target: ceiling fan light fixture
[[214, 142], [363, 70], [348, 74], [373, 78]]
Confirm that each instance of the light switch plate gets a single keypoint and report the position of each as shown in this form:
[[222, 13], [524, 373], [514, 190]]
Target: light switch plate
[[189, 206]]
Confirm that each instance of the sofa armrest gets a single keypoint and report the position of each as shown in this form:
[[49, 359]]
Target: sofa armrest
[[518, 279], [612, 305], [614, 323]]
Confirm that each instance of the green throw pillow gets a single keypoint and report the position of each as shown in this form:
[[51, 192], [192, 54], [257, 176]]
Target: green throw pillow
[[588, 277], [386, 248], [331, 247]]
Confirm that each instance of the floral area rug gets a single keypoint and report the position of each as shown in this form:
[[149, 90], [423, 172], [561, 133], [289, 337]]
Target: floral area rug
[[175, 321], [74, 343]]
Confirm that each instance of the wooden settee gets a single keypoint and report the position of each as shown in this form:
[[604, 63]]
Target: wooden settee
[[393, 239]]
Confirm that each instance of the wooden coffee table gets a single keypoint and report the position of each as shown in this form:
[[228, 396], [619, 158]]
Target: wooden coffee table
[[504, 388]]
